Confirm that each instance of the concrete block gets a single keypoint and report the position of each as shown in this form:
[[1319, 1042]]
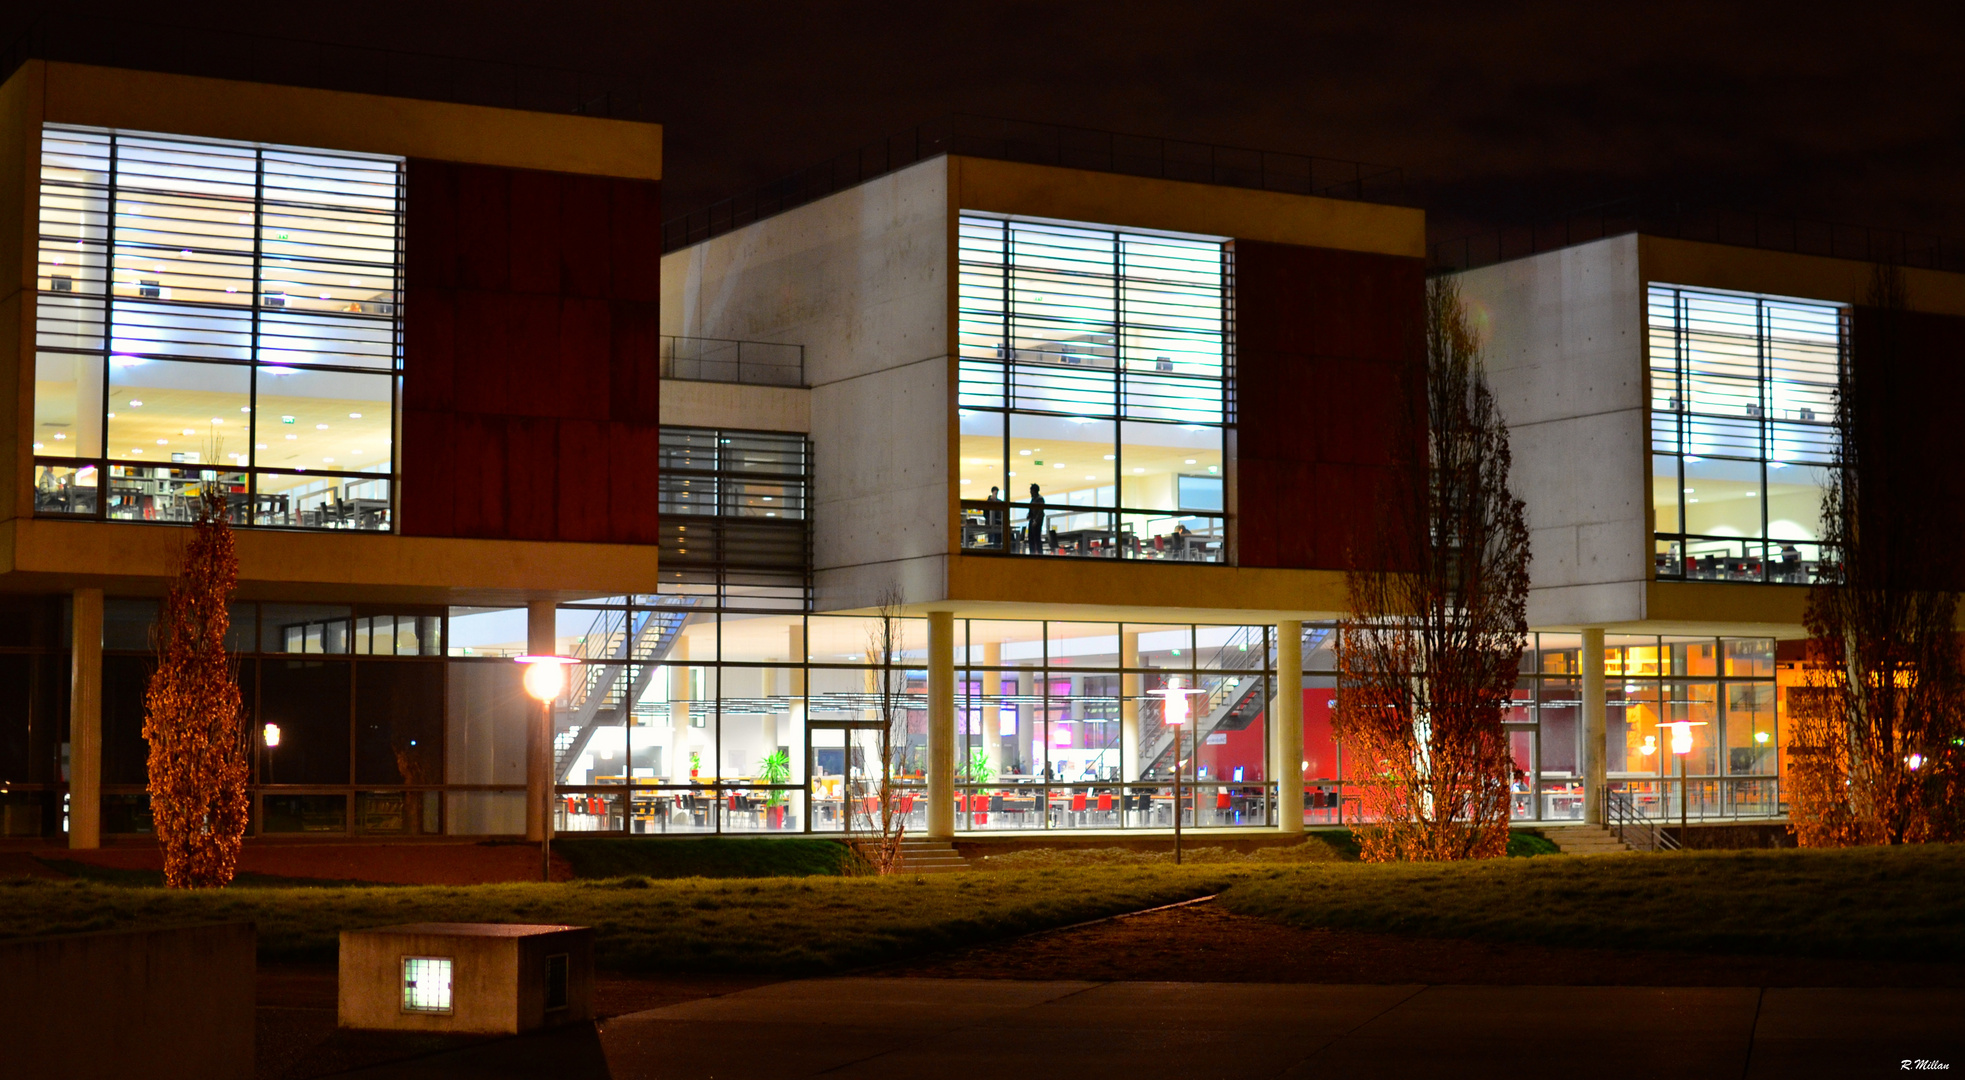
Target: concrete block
[[164, 1003], [491, 978]]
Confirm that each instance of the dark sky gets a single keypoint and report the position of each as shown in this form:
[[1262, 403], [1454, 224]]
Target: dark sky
[[1499, 112]]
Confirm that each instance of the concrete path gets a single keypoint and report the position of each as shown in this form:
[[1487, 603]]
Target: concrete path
[[868, 1028]]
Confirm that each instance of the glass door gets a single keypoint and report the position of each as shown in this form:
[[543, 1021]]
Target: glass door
[[845, 771]]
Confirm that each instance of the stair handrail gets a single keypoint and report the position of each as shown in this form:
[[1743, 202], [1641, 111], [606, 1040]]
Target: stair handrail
[[1621, 816]]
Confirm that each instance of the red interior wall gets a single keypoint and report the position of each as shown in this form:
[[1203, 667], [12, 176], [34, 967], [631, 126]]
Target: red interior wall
[[1327, 344], [531, 355]]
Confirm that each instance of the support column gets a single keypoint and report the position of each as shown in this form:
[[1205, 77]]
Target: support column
[[992, 709], [85, 723], [794, 735], [1592, 751], [540, 640], [941, 725], [1288, 716], [1129, 707], [679, 698]]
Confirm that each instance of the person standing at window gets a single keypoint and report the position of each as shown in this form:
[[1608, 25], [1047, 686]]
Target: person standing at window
[[993, 521], [1034, 523]]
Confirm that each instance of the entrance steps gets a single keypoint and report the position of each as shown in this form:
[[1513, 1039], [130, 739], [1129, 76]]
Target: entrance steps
[[1586, 840], [930, 857]]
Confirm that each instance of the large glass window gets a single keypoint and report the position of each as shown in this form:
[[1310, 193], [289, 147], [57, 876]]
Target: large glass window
[[1092, 399], [735, 511], [1742, 430], [216, 312]]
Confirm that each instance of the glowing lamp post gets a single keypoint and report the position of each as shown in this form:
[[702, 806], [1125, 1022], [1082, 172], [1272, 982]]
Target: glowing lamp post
[[545, 677], [1173, 713], [269, 737], [1682, 748]]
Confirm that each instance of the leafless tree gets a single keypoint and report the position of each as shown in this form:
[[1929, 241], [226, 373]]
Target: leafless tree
[[1431, 648], [1876, 756], [878, 812]]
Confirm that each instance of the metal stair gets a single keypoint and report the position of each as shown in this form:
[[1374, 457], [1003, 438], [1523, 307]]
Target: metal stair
[[1230, 706], [602, 695]]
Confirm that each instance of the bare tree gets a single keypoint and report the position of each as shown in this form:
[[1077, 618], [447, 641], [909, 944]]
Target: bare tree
[[1430, 651], [193, 719], [882, 821], [1875, 757]]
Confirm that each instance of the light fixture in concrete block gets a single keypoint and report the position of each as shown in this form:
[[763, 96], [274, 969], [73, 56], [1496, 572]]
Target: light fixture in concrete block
[[499, 978]]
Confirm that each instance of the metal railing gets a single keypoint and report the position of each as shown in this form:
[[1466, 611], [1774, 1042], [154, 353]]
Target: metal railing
[[1040, 807], [1043, 144], [266, 58], [1717, 225], [1621, 816], [760, 363]]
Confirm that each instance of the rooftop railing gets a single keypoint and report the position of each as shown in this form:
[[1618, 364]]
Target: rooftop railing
[[760, 363], [1044, 144], [1770, 232], [285, 61]]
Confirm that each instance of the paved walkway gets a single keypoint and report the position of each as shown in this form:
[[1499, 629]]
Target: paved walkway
[[868, 1028]]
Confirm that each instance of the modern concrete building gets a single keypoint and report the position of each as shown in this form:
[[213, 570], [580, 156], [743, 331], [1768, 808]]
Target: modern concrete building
[[1671, 406], [1014, 463]]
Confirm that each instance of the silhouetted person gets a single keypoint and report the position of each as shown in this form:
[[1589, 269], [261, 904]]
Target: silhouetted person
[[993, 517], [1034, 523]]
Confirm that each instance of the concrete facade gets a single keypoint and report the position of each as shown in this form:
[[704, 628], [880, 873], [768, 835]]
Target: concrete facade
[[1566, 352], [861, 280]]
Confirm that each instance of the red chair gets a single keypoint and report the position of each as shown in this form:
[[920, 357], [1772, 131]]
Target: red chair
[[1221, 801], [907, 805], [1104, 801], [1077, 802]]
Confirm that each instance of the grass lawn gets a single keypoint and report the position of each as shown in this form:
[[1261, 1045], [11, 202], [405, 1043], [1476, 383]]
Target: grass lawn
[[791, 926], [1905, 903], [710, 856], [1874, 903]]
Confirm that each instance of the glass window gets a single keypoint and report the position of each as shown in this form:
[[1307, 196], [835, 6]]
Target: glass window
[[1743, 392], [309, 700], [238, 308], [1075, 340]]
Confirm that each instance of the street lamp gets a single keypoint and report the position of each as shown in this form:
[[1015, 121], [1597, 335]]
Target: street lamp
[[1682, 749], [544, 679], [1173, 713], [269, 737]]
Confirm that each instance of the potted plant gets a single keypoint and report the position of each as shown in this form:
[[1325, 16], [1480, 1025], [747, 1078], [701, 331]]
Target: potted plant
[[695, 763], [979, 773], [775, 769]]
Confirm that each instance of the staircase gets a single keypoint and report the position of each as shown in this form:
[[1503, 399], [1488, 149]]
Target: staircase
[[930, 857], [1586, 840], [1233, 703], [603, 695]]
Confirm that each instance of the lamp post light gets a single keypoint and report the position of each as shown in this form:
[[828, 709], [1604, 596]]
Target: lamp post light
[[1173, 713], [269, 737], [1682, 749], [545, 677]]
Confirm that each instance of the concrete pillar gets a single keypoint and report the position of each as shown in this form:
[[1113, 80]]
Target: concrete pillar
[[794, 732], [1592, 750], [679, 695], [992, 709], [1027, 744], [1289, 725], [541, 639], [941, 725], [85, 723], [1129, 707]]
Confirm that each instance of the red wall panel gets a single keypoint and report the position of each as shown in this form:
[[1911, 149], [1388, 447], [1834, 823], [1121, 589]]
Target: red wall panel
[[531, 319], [1329, 346]]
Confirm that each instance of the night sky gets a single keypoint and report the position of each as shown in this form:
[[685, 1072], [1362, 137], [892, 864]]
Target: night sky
[[1499, 113]]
